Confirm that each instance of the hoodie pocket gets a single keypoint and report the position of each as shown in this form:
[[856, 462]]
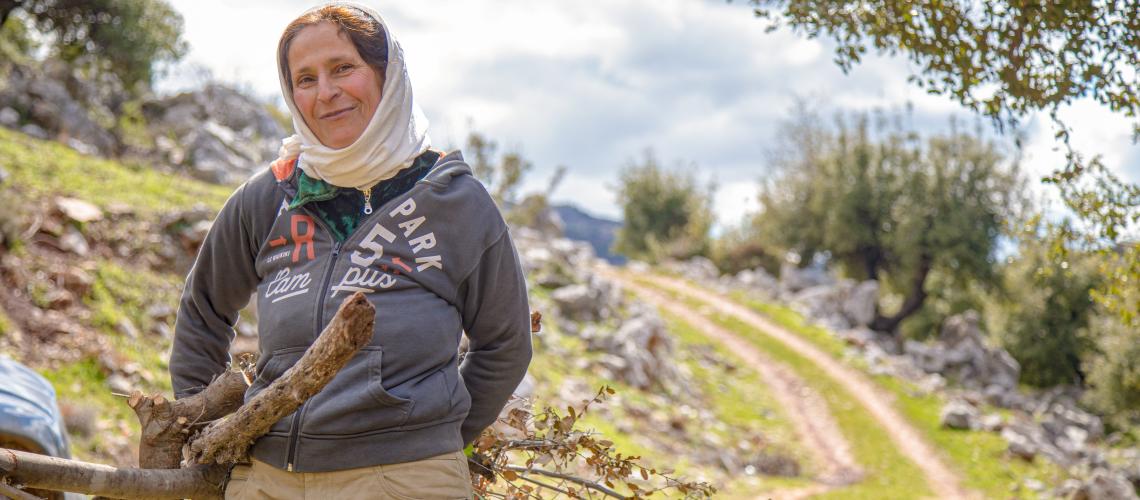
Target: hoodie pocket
[[433, 399], [355, 402]]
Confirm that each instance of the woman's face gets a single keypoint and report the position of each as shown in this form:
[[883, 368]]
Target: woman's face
[[333, 88]]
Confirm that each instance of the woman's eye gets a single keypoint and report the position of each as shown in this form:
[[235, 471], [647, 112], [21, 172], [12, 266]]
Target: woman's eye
[[304, 80], [343, 67]]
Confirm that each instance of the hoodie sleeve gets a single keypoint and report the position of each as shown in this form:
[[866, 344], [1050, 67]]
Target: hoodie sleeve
[[218, 287], [496, 318]]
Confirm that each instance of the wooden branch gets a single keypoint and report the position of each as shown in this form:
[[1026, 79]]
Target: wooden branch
[[166, 425], [229, 440], [15, 493], [547, 486], [58, 474], [566, 477]]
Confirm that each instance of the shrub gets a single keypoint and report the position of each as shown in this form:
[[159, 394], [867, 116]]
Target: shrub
[[665, 213]]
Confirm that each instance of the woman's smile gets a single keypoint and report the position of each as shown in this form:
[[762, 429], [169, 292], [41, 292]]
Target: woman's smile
[[340, 113]]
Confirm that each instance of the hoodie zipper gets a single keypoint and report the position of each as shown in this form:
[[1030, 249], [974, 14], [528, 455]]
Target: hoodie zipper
[[298, 416], [367, 192], [295, 425]]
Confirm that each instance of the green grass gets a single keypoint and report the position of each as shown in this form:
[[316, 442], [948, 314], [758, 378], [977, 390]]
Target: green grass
[[5, 323], [888, 474], [741, 399], [551, 372], [794, 321], [978, 456], [84, 383], [45, 168], [119, 294]]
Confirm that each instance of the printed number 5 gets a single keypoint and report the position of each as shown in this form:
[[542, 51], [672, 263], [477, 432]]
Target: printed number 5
[[370, 243]]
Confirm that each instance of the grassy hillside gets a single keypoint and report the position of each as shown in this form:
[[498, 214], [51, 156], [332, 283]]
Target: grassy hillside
[[99, 321], [40, 169]]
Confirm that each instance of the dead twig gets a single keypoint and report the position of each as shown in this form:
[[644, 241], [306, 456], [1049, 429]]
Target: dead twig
[[566, 477], [14, 492]]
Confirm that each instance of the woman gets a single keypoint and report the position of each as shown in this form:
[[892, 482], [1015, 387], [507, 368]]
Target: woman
[[358, 202]]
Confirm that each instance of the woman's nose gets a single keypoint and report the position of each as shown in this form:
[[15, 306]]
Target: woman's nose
[[326, 89]]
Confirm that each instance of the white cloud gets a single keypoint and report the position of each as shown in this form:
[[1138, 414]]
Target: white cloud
[[733, 201], [591, 84]]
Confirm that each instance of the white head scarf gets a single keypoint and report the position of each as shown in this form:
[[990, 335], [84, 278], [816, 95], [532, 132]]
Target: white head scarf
[[394, 137]]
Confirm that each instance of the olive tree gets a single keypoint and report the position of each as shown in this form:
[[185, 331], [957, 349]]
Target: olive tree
[[1006, 60], [128, 38], [886, 205]]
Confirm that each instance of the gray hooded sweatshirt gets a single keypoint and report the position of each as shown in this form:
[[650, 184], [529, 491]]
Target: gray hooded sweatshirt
[[436, 261]]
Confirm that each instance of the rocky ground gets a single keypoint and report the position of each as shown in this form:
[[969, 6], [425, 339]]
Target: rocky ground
[[609, 337], [82, 285], [215, 134]]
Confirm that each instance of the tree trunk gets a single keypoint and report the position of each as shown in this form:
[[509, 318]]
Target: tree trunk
[[912, 303], [6, 8], [222, 444]]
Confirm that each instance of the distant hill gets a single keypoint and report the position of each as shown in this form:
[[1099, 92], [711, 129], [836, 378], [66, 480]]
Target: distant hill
[[598, 232]]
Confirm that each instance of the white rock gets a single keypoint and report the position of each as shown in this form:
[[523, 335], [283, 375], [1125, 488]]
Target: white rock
[[992, 422], [959, 415], [119, 384], [9, 117], [794, 279], [1020, 445], [1034, 485], [1105, 485], [73, 241], [78, 210], [576, 302], [861, 303], [701, 268]]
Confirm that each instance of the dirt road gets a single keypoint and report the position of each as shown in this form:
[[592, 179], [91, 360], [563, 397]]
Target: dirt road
[[943, 482], [808, 413]]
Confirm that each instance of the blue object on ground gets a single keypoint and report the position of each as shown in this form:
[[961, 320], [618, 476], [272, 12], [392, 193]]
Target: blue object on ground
[[29, 414]]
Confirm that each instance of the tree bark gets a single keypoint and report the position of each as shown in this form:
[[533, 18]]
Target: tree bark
[[166, 425], [223, 442], [912, 303]]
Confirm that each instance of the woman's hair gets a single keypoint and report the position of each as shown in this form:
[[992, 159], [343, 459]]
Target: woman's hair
[[366, 33]]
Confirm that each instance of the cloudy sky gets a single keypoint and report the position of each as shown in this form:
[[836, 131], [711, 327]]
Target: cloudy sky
[[592, 85]]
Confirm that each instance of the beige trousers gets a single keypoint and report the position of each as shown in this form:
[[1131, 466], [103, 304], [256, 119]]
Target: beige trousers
[[441, 477]]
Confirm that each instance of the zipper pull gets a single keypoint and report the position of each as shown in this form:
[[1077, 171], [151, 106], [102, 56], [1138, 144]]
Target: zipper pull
[[367, 200]]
